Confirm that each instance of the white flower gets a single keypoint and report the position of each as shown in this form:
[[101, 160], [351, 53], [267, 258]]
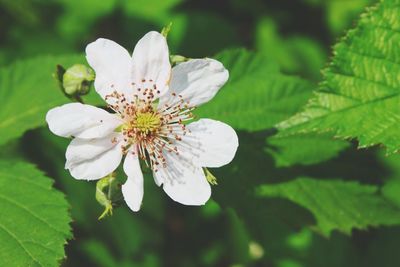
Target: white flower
[[152, 105]]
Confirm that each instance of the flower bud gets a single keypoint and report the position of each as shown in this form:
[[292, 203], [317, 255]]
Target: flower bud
[[77, 80], [108, 192]]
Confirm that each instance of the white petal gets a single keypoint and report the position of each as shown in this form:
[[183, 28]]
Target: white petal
[[210, 143], [83, 121], [197, 81], [112, 64], [150, 63], [184, 182], [132, 190], [94, 158]]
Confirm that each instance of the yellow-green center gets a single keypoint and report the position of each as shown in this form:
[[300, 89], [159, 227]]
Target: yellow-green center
[[146, 122]]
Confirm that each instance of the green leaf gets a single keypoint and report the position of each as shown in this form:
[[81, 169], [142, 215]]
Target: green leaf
[[360, 95], [34, 222], [256, 96], [305, 149], [28, 91], [294, 54], [337, 205]]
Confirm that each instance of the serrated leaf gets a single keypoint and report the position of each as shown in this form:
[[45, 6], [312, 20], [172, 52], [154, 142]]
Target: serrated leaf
[[359, 97], [28, 91], [305, 149], [336, 204], [256, 96], [34, 216]]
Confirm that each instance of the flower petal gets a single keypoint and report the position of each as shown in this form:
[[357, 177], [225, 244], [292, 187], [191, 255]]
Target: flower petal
[[184, 182], [94, 158], [197, 81], [112, 64], [210, 143], [83, 121], [150, 63], [132, 190]]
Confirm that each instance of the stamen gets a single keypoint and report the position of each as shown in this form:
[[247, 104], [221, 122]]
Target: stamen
[[154, 130]]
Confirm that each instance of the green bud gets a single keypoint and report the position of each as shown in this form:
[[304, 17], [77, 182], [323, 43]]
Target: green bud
[[210, 177], [108, 192], [77, 80]]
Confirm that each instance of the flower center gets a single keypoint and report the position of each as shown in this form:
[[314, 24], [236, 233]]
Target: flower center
[[154, 129], [146, 122]]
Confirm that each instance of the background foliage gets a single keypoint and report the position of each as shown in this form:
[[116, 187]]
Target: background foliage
[[311, 185]]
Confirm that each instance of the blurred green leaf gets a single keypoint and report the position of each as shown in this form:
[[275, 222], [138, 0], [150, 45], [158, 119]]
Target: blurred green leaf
[[391, 188], [22, 10], [100, 254], [256, 96], [28, 91], [238, 238], [199, 35], [80, 15], [294, 54], [340, 14], [360, 95], [305, 149], [337, 205], [157, 10], [34, 217]]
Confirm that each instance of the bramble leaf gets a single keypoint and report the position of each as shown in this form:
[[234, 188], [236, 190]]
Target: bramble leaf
[[305, 149], [360, 96], [34, 216]]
